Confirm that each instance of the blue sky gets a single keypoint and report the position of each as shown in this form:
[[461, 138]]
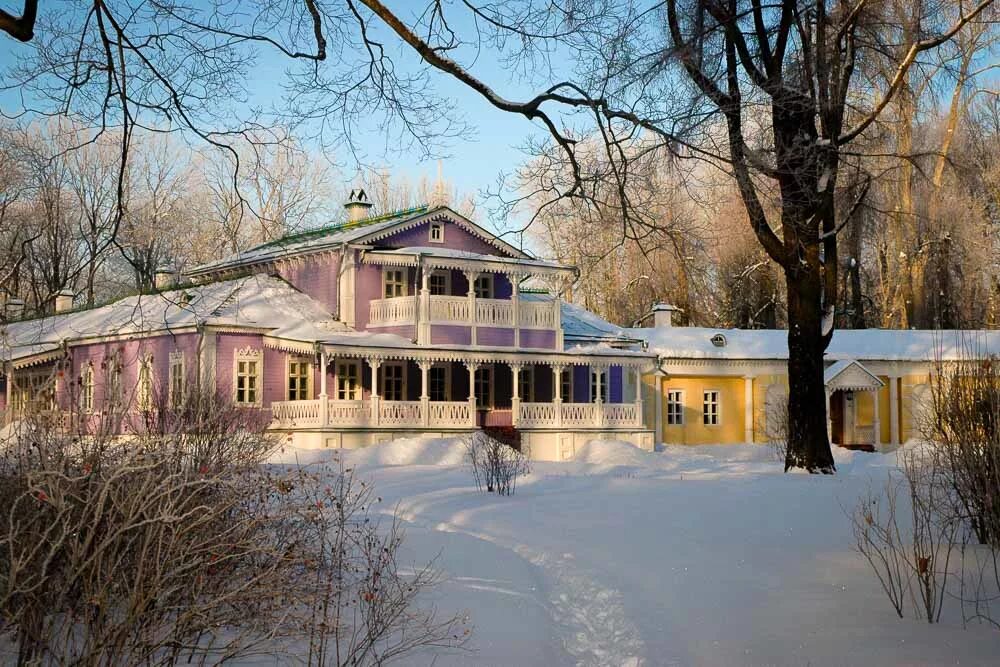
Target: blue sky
[[472, 164]]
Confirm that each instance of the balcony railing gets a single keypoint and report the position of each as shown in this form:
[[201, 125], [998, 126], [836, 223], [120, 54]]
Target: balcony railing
[[440, 309], [452, 414]]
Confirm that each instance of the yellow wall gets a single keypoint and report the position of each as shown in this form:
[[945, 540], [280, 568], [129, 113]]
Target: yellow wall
[[908, 426], [693, 431]]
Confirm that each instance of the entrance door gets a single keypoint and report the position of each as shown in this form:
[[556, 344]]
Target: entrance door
[[837, 417]]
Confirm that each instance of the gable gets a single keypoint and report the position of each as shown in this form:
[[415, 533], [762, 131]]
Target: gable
[[850, 375], [460, 233]]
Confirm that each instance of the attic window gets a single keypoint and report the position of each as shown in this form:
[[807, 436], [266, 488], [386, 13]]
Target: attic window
[[437, 232], [718, 340]]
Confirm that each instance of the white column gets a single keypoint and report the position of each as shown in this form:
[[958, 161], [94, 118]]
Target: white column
[[894, 409], [471, 276], [876, 421], [658, 397], [424, 308], [598, 373], [557, 391], [557, 315], [472, 366], [425, 398], [515, 399], [638, 396], [829, 416], [324, 406], [515, 297], [375, 364], [748, 409]]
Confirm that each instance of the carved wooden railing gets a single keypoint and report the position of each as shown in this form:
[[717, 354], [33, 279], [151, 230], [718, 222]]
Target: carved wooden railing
[[397, 310]]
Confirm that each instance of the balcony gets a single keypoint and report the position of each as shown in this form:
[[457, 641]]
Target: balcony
[[452, 415], [429, 310]]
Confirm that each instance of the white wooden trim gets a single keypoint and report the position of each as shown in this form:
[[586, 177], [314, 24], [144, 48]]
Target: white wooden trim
[[254, 355]]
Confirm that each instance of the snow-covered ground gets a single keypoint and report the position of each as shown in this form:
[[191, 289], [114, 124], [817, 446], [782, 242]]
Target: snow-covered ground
[[689, 556]]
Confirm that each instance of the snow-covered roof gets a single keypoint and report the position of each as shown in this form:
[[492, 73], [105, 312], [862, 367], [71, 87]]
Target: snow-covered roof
[[873, 344], [254, 301], [580, 325], [359, 231]]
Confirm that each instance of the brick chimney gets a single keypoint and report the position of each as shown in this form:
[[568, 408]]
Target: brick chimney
[[64, 301], [357, 205]]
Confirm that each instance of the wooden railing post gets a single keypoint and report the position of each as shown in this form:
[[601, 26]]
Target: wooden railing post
[[472, 366], [374, 363]]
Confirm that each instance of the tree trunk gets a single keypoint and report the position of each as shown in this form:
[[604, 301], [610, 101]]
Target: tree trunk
[[808, 443]]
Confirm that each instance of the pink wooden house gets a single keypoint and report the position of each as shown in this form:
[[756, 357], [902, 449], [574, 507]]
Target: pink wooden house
[[414, 322]]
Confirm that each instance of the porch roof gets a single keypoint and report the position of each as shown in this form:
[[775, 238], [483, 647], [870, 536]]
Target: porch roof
[[463, 260], [850, 375]]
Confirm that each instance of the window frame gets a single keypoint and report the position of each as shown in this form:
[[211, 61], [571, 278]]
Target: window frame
[[435, 227], [396, 278], [87, 382], [445, 388], [248, 356], [446, 275], [604, 385], [675, 407], [354, 391], [176, 379], [711, 417], [383, 384], [566, 385], [488, 385], [489, 282], [144, 383], [526, 383], [296, 393]]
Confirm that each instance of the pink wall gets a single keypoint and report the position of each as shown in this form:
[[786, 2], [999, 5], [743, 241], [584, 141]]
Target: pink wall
[[227, 345], [316, 275], [454, 237], [538, 339], [494, 336], [450, 334]]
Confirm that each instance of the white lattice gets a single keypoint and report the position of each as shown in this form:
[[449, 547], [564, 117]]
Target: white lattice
[[538, 315], [296, 413], [495, 312], [349, 413], [449, 309], [538, 415], [449, 413], [399, 413], [398, 310]]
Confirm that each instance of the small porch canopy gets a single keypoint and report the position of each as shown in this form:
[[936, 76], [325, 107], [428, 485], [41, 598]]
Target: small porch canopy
[[462, 260], [849, 375]]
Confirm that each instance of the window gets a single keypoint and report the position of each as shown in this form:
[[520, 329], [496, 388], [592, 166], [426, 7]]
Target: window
[[437, 380], [113, 383], [394, 281], [299, 379], [87, 389], [566, 385], [484, 287], [594, 376], [393, 382], [439, 283], [675, 407], [436, 233], [144, 385], [483, 387], [248, 373], [176, 379], [710, 408], [32, 392], [348, 381], [526, 383]]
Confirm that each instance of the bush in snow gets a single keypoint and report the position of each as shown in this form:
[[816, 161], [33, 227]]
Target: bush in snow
[[495, 464], [911, 559], [178, 545]]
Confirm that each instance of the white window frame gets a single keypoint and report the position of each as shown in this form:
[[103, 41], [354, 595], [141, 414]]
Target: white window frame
[[711, 398], [444, 368], [298, 361], [393, 281], [675, 407], [526, 383], [348, 383], [113, 389], [487, 291], [485, 371], [566, 384], [256, 357], [87, 382], [604, 385], [447, 282], [383, 384], [28, 391], [435, 233], [144, 382], [176, 379]]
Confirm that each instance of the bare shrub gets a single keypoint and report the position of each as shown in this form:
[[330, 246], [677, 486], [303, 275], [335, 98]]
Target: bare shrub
[[495, 464], [914, 562], [176, 545], [776, 427]]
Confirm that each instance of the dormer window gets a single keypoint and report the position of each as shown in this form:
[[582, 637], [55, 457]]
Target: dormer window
[[436, 233]]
